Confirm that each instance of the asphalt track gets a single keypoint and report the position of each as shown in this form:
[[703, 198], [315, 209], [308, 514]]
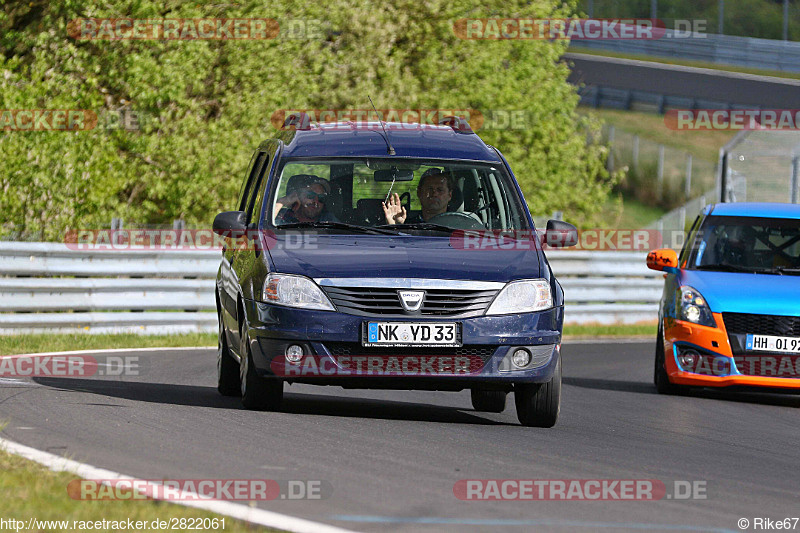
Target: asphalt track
[[392, 457], [766, 92]]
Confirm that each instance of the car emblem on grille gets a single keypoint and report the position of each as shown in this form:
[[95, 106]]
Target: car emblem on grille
[[784, 325], [411, 300]]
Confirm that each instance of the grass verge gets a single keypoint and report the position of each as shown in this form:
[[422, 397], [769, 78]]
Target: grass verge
[[701, 144], [629, 213], [34, 343], [29, 490], [614, 330]]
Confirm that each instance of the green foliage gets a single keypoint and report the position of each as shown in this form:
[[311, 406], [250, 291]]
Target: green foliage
[[203, 106]]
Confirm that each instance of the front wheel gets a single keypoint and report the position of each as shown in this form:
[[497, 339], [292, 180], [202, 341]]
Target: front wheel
[[227, 369], [538, 404], [489, 401], [258, 393], [660, 376]]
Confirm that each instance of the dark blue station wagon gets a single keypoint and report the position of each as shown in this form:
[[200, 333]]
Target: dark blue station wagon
[[391, 256]]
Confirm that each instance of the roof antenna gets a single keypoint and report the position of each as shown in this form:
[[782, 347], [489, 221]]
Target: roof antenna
[[386, 138]]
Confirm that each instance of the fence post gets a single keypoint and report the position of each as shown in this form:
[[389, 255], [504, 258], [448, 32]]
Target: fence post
[[795, 178], [116, 223], [682, 227], [688, 190], [610, 160], [636, 153], [660, 188]]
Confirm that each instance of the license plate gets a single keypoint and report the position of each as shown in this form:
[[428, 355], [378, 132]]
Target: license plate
[[411, 334], [772, 343]]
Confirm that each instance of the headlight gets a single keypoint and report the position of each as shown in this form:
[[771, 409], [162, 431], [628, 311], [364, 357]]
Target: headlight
[[295, 291], [523, 296], [692, 307]]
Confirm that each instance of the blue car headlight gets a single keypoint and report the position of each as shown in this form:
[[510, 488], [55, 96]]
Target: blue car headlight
[[692, 307]]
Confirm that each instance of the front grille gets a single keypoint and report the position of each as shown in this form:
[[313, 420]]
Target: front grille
[[483, 351], [776, 366], [377, 302], [782, 326]]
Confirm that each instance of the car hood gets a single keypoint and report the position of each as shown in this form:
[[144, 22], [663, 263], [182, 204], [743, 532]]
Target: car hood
[[379, 256], [738, 292]]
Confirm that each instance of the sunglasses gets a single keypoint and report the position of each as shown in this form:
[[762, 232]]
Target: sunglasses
[[311, 195]]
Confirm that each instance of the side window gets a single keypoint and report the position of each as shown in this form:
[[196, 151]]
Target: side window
[[247, 186], [255, 184], [689, 244], [256, 203]]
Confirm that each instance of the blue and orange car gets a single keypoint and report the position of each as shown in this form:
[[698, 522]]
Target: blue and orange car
[[730, 311]]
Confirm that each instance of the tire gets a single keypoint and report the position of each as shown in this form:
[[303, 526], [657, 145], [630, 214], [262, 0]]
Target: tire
[[488, 401], [538, 404], [227, 369], [660, 377], [258, 393]]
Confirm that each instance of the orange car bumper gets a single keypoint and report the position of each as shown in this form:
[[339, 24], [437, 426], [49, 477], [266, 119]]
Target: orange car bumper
[[716, 366]]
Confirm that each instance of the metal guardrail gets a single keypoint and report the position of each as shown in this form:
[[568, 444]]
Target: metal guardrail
[[651, 102], [48, 288], [711, 48]]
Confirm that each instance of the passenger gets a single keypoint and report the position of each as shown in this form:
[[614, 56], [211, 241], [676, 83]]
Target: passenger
[[435, 190], [305, 200]]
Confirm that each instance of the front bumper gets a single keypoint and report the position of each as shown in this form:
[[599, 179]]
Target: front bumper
[[718, 365], [331, 342]]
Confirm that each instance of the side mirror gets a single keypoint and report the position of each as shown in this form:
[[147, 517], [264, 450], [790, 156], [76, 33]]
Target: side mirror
[[560, 234], [662, 259], [230, 222]]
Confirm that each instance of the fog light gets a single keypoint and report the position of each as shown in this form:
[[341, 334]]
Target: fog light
[[521, 358], [688, 358], [294, 353]]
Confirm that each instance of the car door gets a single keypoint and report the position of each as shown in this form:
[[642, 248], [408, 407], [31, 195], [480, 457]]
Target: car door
[[228, 284], [247, 262]]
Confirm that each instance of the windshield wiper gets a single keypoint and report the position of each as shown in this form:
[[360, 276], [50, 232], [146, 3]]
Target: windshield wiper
[[728, 267], [420, 225], [792, 271], [340, 225]]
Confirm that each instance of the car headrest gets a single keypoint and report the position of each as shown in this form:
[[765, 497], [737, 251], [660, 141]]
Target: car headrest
[[457, 201]]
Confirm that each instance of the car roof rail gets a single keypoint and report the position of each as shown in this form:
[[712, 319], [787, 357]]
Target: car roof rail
[[459, 124], [298, 121]]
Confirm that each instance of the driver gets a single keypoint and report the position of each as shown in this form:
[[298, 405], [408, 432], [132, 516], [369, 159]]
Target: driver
[[435, 190]]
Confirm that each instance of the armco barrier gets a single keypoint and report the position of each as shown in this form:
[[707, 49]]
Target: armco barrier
[[46, 287], [711, 48]]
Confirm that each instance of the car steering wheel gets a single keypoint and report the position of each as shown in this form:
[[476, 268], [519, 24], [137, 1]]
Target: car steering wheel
[[456, 220]]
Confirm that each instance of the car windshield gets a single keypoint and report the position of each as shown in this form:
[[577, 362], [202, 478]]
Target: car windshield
[[403, 196], [747, 244]]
